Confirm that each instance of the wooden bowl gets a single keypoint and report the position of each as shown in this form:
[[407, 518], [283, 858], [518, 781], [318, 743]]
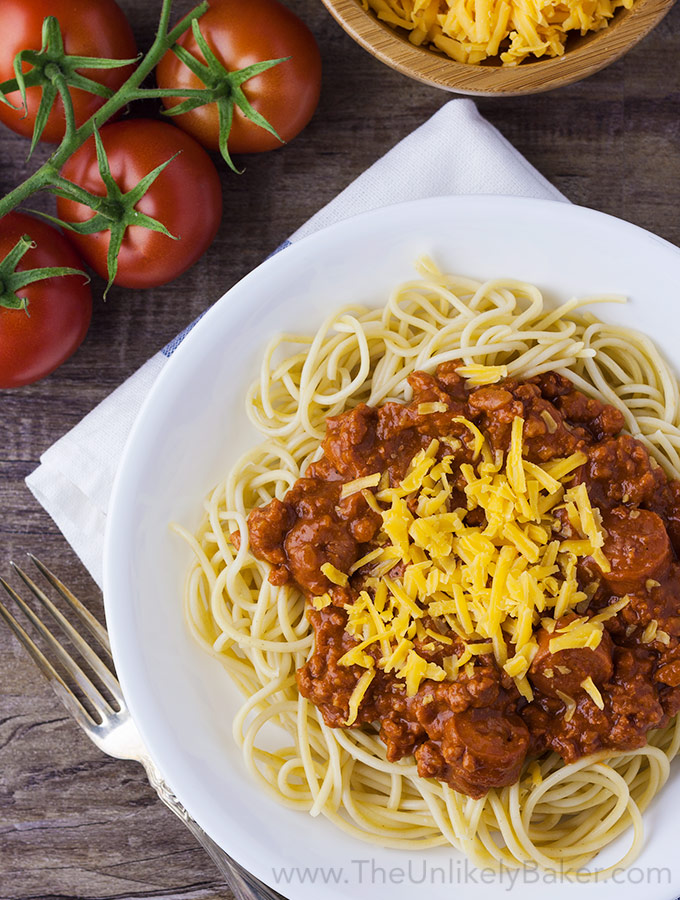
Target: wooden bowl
[[583, 55]]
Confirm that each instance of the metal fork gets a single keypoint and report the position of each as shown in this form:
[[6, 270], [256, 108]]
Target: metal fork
[[111, 728]]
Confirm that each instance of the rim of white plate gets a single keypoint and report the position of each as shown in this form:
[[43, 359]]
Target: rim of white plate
[[119, 577]]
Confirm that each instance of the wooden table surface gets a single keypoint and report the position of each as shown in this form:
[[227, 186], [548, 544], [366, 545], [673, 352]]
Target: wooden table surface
[[73, 822]]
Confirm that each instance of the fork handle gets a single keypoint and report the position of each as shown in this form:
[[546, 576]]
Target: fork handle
[[243, 885]]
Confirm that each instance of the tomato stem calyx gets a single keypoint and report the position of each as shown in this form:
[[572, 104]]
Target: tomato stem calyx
[[54, 70], [115, 211], [221, 87], [12, 281]]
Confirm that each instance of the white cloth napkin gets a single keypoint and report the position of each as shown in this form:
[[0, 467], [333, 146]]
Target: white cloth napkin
[[455, 152]]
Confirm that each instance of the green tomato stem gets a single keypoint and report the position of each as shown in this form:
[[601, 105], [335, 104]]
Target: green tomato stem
[[48, 173], [12, 281]]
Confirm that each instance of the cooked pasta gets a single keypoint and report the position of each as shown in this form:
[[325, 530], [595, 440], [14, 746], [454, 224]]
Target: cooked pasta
[[555, 815]]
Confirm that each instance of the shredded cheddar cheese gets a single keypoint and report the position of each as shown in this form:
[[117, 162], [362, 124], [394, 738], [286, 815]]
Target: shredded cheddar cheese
[[480, 441], [586, 634], [491, 585], [649, 634], [426, 409], [335, 576], [613, 609], [569, 705], [358, 695], [476, 374], [364, 560], [591, 689], [470, 31], [359, 484]]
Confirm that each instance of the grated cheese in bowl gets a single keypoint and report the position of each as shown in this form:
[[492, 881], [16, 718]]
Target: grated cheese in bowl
[[470, 31]]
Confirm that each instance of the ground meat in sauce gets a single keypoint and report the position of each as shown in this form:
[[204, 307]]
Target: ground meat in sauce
[[476, 733]]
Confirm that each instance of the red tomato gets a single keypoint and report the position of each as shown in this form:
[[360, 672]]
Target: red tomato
[[186, 198], [240, 34], [94, 28], [34, 342]]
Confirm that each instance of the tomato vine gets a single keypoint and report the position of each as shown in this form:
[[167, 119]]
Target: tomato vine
[[105, 179], [55, 73], [47, 176]]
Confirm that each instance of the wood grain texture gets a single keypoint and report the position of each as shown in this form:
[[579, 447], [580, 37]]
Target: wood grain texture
[[73, 823], [585, 54]]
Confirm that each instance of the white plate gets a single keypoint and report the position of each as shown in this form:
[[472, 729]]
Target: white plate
[[193, 426]]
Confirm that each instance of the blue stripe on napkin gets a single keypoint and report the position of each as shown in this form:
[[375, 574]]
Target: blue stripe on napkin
[[170, 348]]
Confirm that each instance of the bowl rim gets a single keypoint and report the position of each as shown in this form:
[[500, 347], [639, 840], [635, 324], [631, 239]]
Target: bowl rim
[[420, 63]]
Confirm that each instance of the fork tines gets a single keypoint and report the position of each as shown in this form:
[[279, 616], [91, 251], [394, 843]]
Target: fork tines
[[71, 682]]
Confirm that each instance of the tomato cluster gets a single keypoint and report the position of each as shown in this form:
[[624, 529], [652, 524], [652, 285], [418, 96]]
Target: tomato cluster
[[267, 109]]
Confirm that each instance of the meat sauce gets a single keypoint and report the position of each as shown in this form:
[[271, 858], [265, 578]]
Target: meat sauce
[[475, 733]]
